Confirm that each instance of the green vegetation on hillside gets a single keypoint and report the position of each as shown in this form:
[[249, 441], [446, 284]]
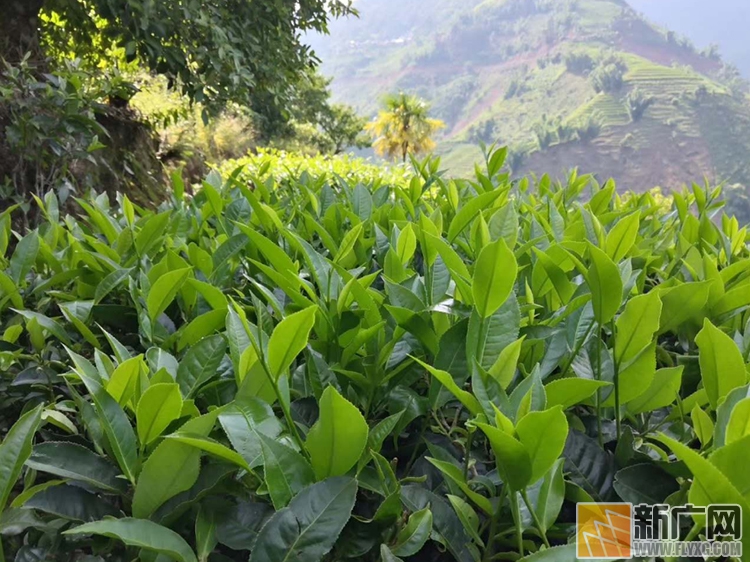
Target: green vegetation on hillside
[[104, 93], [496, 70], [311, 365]]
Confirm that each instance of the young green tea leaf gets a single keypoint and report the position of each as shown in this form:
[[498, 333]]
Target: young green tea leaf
[[605, 283], [159, 406], [494, 277], [338, 438], [722, 365], [543, 435], [164, 290], [288, 340], [414, 535]]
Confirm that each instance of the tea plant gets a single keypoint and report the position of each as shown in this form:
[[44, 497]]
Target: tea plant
[[317, 370]]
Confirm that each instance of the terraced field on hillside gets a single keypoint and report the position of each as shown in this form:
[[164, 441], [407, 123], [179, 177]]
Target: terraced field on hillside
[[502, 70]]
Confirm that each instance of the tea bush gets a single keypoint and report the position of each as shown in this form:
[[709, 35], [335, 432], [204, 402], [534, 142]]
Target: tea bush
[[285, 166], [316, 369]]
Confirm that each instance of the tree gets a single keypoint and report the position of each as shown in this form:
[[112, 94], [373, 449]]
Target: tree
[[404, 127], [343, 128], [310, 117], [215, 52], [637, 103]]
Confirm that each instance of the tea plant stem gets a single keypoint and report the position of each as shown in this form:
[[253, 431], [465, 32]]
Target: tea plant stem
[[616, 380], [415, 453], [517, 520], [694, 532], [682, 417], [467, 454], [493, 525], [535, 518], [291, 424], [598, 375], [480, 341], [577, 350]]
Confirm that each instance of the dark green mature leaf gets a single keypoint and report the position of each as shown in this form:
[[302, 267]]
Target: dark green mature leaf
[[644, 483], [238, 526], [15, 450], [548, 495], [588, 466], [205, 533], [243, 422], [110, 283], [386, 554], [71, 502], [502, 329], [75, 462], [200, 364], [307, 529], [141, 533], [286, 471], [49, 324]]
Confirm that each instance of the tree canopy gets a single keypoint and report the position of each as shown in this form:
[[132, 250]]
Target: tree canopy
[[404, 127], [215, 51]]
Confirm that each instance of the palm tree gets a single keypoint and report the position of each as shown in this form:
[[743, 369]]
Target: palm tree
[[404, 127]]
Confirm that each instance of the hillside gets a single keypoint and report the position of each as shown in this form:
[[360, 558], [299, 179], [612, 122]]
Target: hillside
[[722, 23], [564, 83]]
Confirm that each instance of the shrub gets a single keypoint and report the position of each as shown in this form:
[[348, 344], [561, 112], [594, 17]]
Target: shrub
[[545, 132], [609, 74], [298, 369], [588, 129], [579, 62], [637, 103], [64, 132], [49, 124]]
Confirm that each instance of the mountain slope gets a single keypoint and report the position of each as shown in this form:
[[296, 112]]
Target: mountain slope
[[721, 22], [564, 83]]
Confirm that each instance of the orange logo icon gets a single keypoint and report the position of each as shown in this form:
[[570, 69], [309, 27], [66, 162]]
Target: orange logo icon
[[604, 530]]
